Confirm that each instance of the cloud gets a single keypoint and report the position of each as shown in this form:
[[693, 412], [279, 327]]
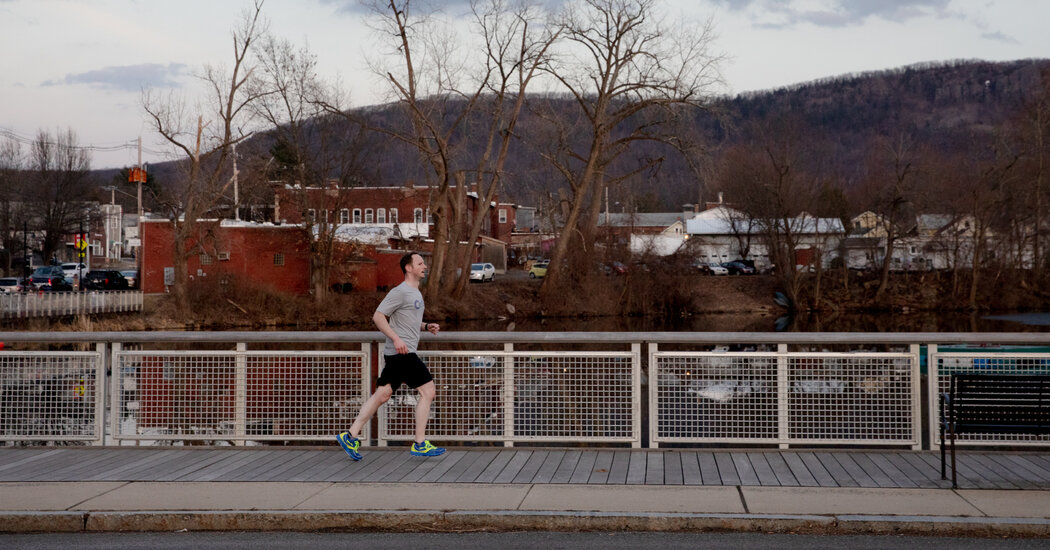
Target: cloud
[[357, 7], [127, 77], [834, 13], [1000, 37]]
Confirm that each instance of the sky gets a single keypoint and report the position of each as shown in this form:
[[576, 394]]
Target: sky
[[83, 64]]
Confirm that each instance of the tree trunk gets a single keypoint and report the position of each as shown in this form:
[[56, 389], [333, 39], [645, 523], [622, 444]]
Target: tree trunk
[[181, 290]]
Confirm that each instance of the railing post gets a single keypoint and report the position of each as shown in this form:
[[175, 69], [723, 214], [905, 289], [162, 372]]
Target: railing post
[[636, 394], [240, 395], [508, 396], [783, 416], [363, 389], [100, 393], [116, 382], [916, 398], [932, 379], [654, 389], [381, 416]]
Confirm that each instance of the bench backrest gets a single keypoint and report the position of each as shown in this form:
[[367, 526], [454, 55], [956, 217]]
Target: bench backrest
[[1018, 403]]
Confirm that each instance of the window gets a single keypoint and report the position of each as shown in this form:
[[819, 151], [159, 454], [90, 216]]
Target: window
[[417, 215], [502, 215], [381, 215], [393, 215], [357, 215], [344, 216], [368, 216], [205, 259], [311, 215], [278, 258], [324, 216]]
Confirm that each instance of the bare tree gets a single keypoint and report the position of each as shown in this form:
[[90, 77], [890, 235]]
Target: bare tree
[[1033, 131], [314, 147], [516, 46], [57, 184], [13, 215], [426, 88], [447, 107], [768, 180], [633, 77], [893, 192], [204, 136]]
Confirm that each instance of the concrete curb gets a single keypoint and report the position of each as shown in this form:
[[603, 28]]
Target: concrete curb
[[462, 521]]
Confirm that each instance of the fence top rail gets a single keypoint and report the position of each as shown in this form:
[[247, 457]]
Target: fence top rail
[[497, 337]]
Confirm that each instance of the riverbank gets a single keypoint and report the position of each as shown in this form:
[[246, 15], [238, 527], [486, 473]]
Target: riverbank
[[638, 302]]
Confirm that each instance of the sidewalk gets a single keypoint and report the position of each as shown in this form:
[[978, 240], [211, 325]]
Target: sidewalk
[[251, 504]]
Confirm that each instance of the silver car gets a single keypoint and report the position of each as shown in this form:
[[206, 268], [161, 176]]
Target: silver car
[[482, 272]]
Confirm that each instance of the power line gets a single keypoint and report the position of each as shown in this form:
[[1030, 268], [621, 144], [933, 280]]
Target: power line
[[15, 136]]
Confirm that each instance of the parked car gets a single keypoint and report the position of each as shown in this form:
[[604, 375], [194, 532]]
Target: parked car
[[482, 272], [710, 268], [539, 269], [132, 276], [618, 268], [12, 285], [104, 279], [50, 277], [716, 269], [73, 272], [738, 267]]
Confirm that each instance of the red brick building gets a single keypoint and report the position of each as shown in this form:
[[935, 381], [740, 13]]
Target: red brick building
[[380, 205], [270, 255]]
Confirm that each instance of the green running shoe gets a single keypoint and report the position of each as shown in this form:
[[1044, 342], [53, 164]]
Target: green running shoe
[[350, 444], [426, 449]]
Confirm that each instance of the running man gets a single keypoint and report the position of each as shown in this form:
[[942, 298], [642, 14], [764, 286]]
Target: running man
[[400, 318]]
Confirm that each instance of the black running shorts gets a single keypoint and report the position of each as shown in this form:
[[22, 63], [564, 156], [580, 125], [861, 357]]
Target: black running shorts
[[405, 368]]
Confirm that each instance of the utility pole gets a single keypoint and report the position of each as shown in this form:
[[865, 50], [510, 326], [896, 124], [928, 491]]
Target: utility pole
[[25, 255], [236, 200], [140, 180], [138, 251]]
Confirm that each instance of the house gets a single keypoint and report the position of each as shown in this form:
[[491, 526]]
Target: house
[[934, 241], [721, 234]]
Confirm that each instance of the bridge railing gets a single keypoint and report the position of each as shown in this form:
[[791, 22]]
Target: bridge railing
[[21, 305], [785, 389]]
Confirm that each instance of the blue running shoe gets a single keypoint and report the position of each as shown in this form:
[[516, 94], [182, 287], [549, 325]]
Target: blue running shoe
[[426, 449], [350, 444]]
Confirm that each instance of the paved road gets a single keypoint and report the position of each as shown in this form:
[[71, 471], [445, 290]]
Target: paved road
[[504, 541]]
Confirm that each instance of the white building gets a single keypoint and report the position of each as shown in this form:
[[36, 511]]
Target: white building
[[722, 234]]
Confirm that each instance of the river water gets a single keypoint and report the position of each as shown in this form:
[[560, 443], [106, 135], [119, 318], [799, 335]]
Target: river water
[[852, 322]]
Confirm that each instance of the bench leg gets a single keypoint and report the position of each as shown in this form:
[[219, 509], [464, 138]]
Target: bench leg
[[955, 484], [944, 444]]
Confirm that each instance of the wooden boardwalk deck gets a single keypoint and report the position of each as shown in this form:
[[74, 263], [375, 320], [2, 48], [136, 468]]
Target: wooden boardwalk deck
[[796, 468]]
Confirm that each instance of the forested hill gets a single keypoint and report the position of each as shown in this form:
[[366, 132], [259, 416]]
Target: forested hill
[[940, 105]]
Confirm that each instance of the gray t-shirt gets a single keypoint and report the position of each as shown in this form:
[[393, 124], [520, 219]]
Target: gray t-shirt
[[403, 306]]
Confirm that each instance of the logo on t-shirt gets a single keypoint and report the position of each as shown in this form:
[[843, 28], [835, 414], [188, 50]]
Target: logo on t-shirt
[[418, 304]]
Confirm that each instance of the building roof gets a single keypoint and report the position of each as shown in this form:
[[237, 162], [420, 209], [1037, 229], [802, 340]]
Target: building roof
[[639, 219], [379, 233], [727, 221]]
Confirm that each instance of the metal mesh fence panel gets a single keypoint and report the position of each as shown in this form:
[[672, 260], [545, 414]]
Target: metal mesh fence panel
[[851, 398], [945, 364], [49, 396], [237, 396], [784, 398], [523, 396], [715, 397]]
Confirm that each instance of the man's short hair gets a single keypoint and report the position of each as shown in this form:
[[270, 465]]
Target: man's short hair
[[407, 259]]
